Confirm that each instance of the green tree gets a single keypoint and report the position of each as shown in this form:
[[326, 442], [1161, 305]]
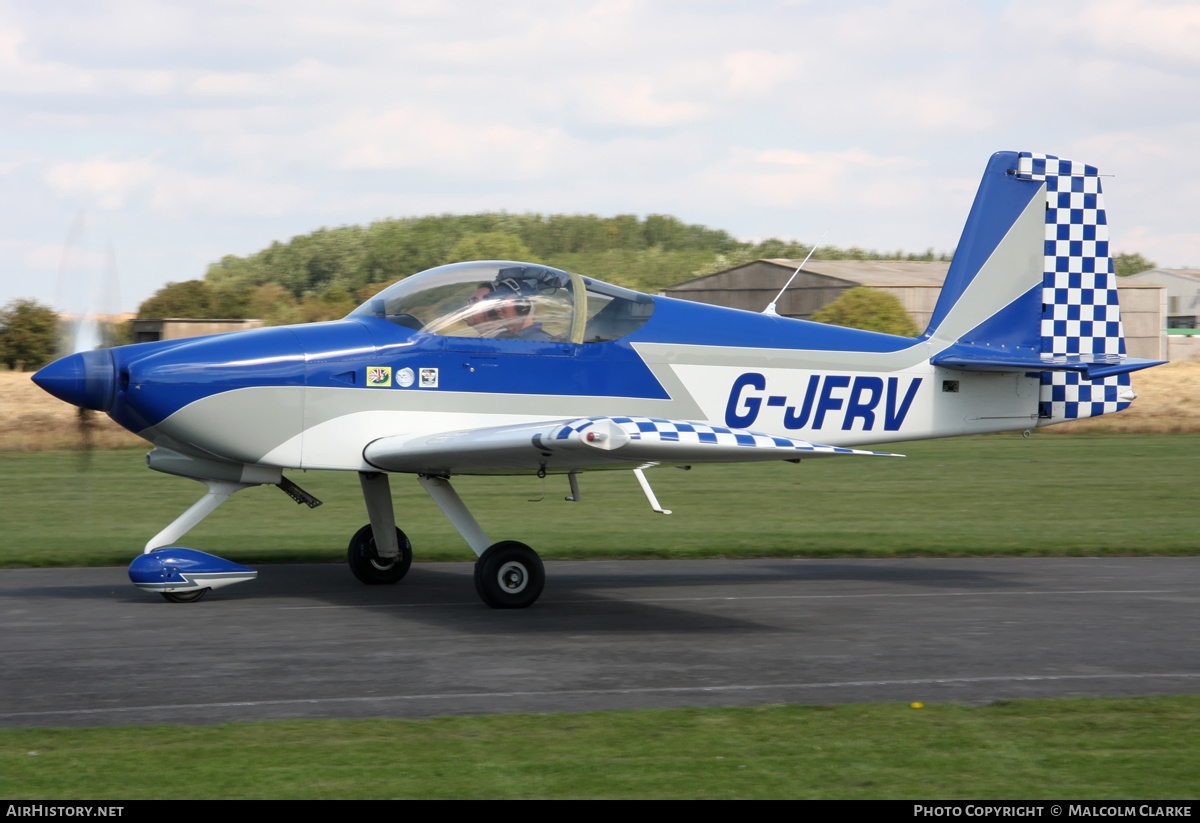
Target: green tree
[[724, 262], [870, 309], [493, 245], [398, 248], [270, 302], [1127, 264], [122, 333], [648, 254], [27, 331], [193, 298], [237, 272]]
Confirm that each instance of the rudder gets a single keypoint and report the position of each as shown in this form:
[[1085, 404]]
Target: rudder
[[1036, 290], [1081, 313]]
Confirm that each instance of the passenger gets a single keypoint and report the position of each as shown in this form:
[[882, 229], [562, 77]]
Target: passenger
[[508, 312], [480, 318]]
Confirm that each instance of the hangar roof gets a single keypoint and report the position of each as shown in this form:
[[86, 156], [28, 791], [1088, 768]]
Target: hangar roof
[[877, 272]]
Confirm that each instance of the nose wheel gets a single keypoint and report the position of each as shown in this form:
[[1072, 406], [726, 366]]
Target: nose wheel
[[509, 575], [184, 597], [369, 567]]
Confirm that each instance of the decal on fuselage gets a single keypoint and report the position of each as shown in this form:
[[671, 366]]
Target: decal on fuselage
[[379, 375], [826, 401]]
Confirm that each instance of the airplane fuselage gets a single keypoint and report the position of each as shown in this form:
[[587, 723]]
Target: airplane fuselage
[[312, 397]]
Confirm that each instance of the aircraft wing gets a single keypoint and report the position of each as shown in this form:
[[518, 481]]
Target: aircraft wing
[[586, 443]]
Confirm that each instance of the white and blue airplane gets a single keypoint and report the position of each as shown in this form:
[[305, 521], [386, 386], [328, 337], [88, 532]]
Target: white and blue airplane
[[509, 368]]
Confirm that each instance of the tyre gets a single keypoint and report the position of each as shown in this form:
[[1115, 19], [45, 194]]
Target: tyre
[[509, 575], [184, 597], [369, 567]]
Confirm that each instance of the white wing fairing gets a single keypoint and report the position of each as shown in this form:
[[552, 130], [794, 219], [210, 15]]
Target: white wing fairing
[[586, 443]]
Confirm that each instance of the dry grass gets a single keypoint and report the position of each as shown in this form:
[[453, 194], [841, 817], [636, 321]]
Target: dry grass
[[1168, 401], [31, 420]]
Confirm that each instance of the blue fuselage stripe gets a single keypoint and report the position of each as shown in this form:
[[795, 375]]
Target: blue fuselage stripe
[[376, 355]]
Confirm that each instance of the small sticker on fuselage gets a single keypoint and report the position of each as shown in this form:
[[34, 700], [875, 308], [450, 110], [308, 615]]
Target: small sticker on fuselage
[[379, 375], [429, 378], [405, 378]]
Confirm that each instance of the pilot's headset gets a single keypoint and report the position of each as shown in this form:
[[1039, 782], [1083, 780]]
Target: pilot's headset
[[518, 292]]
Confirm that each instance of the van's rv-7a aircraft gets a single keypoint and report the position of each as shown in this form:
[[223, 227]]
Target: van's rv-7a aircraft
[[507, 368]]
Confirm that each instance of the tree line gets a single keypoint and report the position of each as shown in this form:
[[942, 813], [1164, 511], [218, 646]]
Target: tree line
[[323, 275]]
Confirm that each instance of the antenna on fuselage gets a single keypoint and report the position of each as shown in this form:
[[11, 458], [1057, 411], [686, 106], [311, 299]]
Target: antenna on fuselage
[[771, 308]]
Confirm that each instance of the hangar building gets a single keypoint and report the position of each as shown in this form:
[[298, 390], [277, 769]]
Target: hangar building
[[175, 328]]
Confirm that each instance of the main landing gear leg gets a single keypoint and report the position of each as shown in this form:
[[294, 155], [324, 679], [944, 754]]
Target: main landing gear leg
[[379, 553], [508, 574]]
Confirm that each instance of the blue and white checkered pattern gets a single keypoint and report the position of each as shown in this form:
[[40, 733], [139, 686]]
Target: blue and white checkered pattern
[[675, 431], [1081, 315]]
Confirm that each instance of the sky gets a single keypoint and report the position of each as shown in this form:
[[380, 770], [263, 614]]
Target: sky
[[170, 134]]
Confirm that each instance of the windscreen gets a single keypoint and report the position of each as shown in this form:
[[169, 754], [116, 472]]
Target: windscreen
[[510, 300], [493, 299]]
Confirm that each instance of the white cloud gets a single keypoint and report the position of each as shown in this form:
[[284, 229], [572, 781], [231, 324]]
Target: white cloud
[[21, 75], [782, 177], [934, 110], [49, 257], [182, 194], [142, 183], [759, 72], [632, 100], [1155, 32], [417, 139], [108, 182]]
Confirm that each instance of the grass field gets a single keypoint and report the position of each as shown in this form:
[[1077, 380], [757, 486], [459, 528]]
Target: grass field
[[1142, 748], [1115, 494]]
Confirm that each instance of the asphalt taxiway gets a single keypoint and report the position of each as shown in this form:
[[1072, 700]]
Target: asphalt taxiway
[[82, 647]]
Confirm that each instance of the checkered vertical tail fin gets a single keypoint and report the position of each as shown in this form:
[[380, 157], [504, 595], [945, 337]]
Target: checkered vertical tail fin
[[1032, 288], [1080, 312]]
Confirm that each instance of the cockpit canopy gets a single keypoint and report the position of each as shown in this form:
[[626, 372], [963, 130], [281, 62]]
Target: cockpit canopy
[[510, 300]]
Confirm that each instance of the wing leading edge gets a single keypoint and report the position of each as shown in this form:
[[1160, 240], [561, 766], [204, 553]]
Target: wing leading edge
[[587, 443]]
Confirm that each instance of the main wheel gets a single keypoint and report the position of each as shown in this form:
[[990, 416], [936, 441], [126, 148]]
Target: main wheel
[[184, 597], [369, 567], [509, 575]]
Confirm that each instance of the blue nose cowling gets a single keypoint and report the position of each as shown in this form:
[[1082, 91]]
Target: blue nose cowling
[[87, 379]]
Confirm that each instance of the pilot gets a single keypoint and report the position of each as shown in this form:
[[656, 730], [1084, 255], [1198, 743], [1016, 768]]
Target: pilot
[[481, 318], [508, 310]]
